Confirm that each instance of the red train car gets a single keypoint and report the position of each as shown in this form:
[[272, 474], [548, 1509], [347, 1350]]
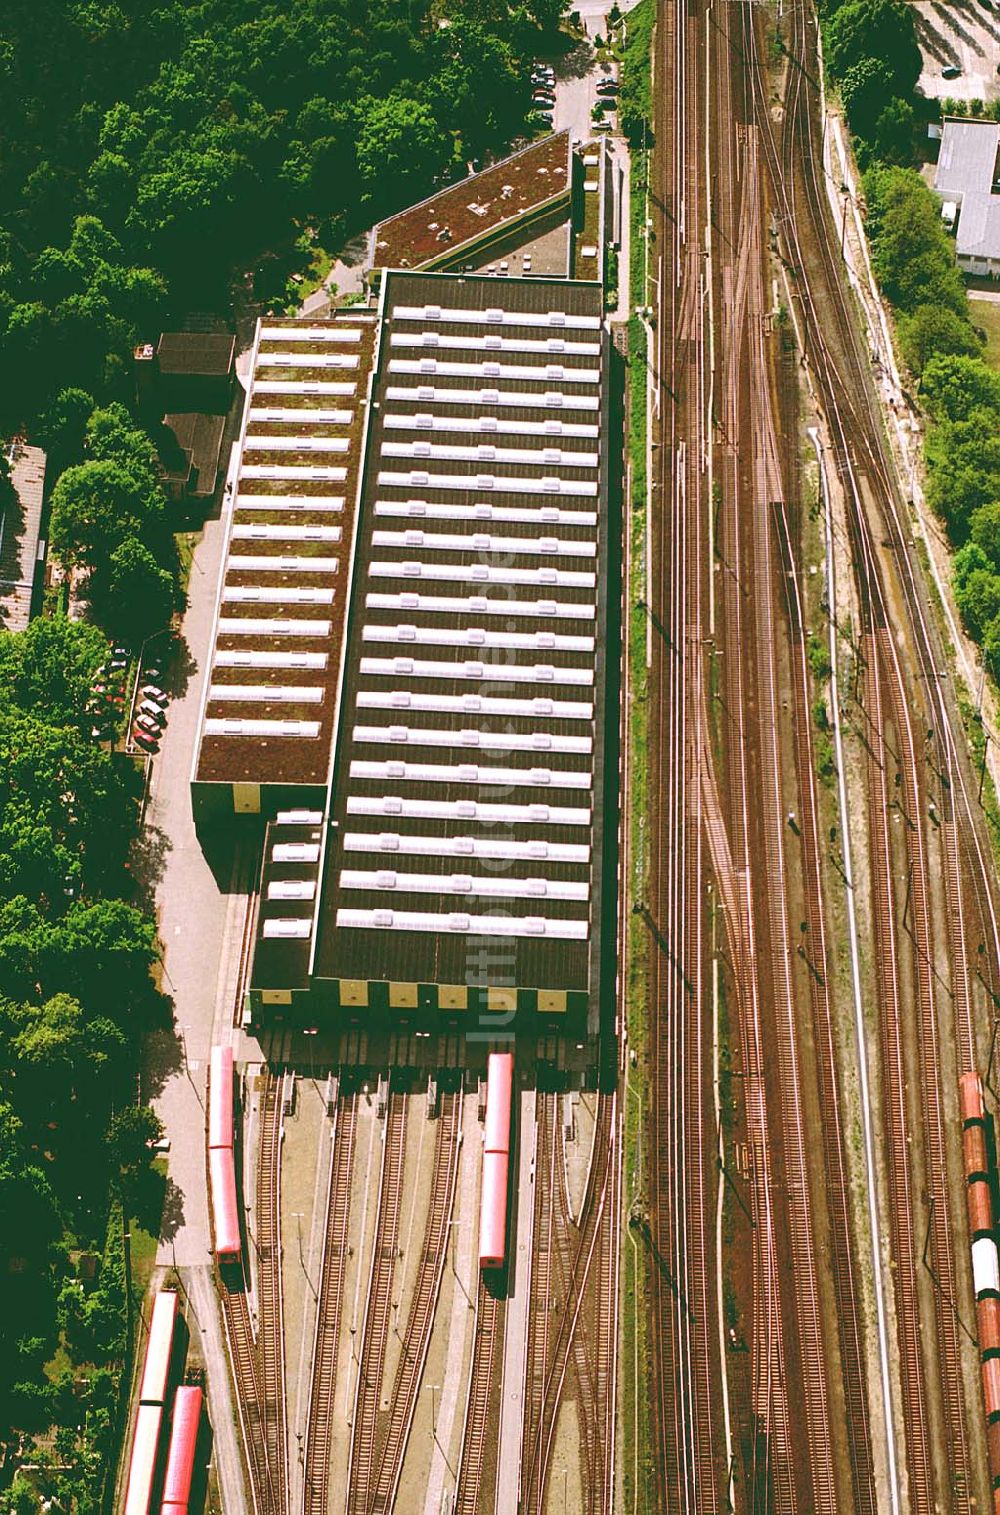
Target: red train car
[[142, 1463], [970, 1098], [496, 1161], [220, 1098], [974, 1153], [225, 1206], [988, 1325], [159, 1349], [979, 1203], [181, 1454], [991, 1387]]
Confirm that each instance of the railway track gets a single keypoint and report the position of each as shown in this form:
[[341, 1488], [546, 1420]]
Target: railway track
[[375, 1332], [575, 1348], [475, 1491], [416, 1340], [270, 1294], [245, 1370], [319, 1425], [856, 402]]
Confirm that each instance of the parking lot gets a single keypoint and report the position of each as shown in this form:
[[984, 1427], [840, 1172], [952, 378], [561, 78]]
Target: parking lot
[[964, 34]]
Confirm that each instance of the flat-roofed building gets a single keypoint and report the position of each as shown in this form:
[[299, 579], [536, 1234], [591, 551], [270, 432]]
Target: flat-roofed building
[[270, 700], [461, 867]]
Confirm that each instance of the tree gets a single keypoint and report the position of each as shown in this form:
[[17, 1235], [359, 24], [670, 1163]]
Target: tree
[[131, 594], [48, 669], [963, 460], [911, 251], [399, 143], [866, 86], [62, 426], [95, 506], [131, 1137], [984, 531], [978, 600], [874, 29], [934, 331], [952, 386]]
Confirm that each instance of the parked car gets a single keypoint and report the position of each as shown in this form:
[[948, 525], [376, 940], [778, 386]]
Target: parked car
[[147, 723], [608, 87], [951, 72], [148, 707], [145, 739], [602, 126], [155, 693]]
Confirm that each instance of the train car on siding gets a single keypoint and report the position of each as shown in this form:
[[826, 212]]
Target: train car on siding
[[182, 1451], [220, 1098], [974, 1154], [979, 1203], [985, 1267], [991, 1388], [159, 1349], [143, 1462], [970, 1098], [988, 1325], [496, 1161], [225, 1206]]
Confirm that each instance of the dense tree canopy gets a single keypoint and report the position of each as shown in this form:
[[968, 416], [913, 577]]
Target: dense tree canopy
[[149, 152]]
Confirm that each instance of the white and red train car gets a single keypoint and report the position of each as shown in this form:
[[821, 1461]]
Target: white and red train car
[[980, 1180], [182, 1452], [496, 1161], [154, 1391], [221, 1157]]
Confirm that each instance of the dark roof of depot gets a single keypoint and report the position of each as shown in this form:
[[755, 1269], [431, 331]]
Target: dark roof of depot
[[496, 196], [199, 441], [466, 807], [196, 352]]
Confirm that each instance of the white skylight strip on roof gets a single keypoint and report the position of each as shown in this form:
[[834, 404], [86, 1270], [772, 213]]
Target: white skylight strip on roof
[[483, 573], [290, 471], [323, 504], [295, 852], [485, 510], [248, 626], [285, 531], [293, 889], [250, 658], [276, 694], [275, 594], [492, 343], [488, 673], [304, 415], [435, 394], [468, 810], [393, 843], [472, 886], [299, 817], [476, 483], [283, 565], [470, 773], [307, 360], [228, 726], [435, 604], [472, 925], [449, 314], [296, 444], [539, 373], [500, 426], [304, 387], [472, 737], [310, 333], [481, 541], [486, 452], [476, 636], [541, 707], [298, 930]]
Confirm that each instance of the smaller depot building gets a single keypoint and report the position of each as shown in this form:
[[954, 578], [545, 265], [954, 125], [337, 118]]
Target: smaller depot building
[[968, 181], [413, 688]]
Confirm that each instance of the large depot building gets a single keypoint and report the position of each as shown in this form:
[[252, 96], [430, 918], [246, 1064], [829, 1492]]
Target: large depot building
[[412, 690]]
